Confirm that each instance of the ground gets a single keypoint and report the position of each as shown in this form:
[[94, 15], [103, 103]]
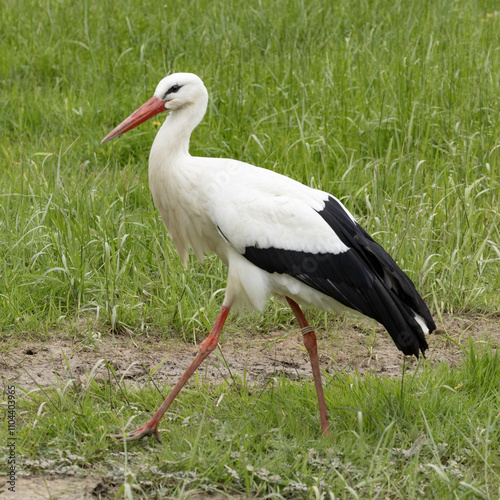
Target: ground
[[262, 355]]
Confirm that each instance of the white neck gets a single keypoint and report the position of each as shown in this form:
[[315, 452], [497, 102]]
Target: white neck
[[173, 137]]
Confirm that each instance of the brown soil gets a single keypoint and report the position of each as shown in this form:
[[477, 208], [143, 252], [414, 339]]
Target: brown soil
[[258, 355], [81, 488]]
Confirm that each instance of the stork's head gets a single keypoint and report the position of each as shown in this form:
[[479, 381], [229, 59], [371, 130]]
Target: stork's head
[[175, 92], [181, 89]]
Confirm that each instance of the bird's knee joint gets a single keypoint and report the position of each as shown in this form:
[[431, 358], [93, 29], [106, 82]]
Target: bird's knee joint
[[207, 346]]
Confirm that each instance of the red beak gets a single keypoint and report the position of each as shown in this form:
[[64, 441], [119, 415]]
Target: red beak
[[145, 112]]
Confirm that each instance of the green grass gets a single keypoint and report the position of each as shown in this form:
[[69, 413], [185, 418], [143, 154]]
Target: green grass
[[436, 436], [393, 106]]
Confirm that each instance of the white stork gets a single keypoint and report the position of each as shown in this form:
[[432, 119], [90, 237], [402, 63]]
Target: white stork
[[276, 236]]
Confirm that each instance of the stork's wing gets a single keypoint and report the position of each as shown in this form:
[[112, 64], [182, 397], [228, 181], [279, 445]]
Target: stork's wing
[[318, 242]]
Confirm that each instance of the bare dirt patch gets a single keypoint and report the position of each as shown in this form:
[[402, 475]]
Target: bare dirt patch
[[79, 488], [257, 355], [62, 488]]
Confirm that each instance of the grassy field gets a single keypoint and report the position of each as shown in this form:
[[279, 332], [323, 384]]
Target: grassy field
[[393, 106]]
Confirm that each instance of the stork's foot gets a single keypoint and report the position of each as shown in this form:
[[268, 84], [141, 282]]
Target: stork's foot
[[144, 431]]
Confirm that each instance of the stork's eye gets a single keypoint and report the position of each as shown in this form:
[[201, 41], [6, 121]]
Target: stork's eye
[[172, 90]]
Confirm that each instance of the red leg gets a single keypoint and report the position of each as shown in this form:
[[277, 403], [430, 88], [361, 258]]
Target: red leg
[[206, 347], [311, 346]]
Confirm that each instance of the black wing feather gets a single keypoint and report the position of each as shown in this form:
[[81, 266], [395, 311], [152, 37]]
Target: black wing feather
[[364, 278]]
